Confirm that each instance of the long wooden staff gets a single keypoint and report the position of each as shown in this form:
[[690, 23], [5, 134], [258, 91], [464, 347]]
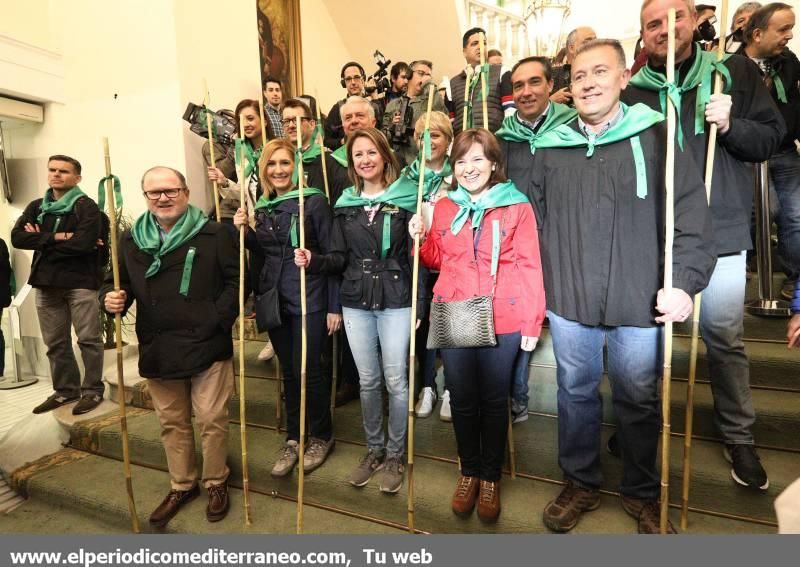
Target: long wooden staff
[[468, 72], [687, 440], [263, 122], [242, 417], [210, 129], [321, 143], [303, 335], [512, 450], [412, 347], [483, 81], [669, 183], [123, 417]]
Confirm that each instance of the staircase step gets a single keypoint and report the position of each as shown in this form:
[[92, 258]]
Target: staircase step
[[536, 452], [97, 503]]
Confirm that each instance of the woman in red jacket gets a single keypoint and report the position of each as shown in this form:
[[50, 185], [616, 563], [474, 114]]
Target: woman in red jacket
[[484, 241]]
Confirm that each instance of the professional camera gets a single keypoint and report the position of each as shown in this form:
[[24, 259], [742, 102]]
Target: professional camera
[[400, 134], [381, 76], [223, 123]]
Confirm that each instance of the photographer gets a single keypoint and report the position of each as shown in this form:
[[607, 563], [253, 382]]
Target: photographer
[[353, 78], [400, 74], [402, 113]]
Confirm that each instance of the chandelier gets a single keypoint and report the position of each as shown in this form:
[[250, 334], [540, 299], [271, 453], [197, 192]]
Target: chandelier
[[545, 23]]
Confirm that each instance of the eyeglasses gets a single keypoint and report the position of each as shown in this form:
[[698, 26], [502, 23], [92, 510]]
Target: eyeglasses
[[290, 121], [356, 78], [156, 194]]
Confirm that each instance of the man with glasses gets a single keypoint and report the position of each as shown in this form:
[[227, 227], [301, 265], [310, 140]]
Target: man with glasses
[[353, 78], [65, 230], [181, 269], [402, 113]]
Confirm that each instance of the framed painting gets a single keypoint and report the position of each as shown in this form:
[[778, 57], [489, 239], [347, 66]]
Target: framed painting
[[280, 49]]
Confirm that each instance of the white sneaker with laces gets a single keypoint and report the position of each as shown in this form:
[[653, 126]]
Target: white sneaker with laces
[[444, 411], [267, 352], [426, 402]]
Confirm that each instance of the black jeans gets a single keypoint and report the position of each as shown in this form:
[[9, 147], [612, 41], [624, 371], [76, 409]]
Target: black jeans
[[286, 341], [479, 381]]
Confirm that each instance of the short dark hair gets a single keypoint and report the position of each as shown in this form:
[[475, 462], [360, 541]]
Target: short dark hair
[[543, 61], [493, 52], [71, 160], [760, 19], [469, 33], [181, 177], [297, 103], [398, 68], [612, 43], [271, 79], [491, 149], [422, 62], [352, 64]]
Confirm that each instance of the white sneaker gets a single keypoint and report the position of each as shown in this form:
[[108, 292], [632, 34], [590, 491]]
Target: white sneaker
[[426, 402], [444, 411], [267, 352]]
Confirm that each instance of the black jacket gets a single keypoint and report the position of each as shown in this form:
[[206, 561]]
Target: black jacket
[[755, 132], [337, 177], [603, 246], [273, 240], [77, 263], [5, 275], [367, 281], [182, 336]]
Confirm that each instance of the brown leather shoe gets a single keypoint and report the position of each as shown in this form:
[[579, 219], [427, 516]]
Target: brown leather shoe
[[563, 513], [174, 501], [465, 496], [218, 502], [647, 514], [489, 501]]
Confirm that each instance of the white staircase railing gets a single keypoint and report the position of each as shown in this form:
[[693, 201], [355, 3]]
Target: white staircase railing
[[505, 30]]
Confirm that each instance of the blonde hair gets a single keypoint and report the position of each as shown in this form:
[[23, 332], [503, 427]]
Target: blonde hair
[[439, 122], [268, 151]]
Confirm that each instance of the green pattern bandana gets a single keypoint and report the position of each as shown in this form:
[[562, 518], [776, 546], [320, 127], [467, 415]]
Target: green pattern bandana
[[473, 84], [779, 88], [635, 120], [340, 155], [700, 76], [432, 181], [61, 207], [251, 156], [270, 204], [501, 195], [512, 130], [147, 236], [116, 194], [402, 193]]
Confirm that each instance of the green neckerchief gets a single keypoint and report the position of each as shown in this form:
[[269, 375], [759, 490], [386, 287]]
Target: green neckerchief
[[635, 120], [61, 207], [473, 84], [251, 156], [116, 194], [432, 180], [779, 88], [512, 130], [340, 155], [501, 195], [402, 193], [147, 236], [700, 75], [307, 156], [270, 204]]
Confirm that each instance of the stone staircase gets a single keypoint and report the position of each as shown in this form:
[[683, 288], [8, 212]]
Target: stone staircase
[[81, 488]]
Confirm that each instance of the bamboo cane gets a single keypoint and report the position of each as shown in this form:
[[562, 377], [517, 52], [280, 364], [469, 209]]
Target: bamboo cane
[[321, 143], [483, 81], [263, 122], [209, 127], [512, 451], [669, 183], [279, 404], [303, 336], [242, 417], [689, 423], [468, 72], [412, 347], [123, 417]]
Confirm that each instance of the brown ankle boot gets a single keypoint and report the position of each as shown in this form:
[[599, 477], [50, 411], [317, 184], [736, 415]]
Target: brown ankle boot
[[218, 502], [489, 501], [465, 496]]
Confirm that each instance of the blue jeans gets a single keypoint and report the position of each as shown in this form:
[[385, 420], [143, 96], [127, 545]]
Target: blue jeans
[[479, 380], [375, 336], [519, 386], [634, 369], [722, 328], [784, 171]]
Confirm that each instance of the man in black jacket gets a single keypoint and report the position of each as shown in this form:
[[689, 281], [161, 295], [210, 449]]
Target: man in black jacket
[[64, 229], [182, 271], [750, 129], [766, 38], [5, 297], [353, 78]]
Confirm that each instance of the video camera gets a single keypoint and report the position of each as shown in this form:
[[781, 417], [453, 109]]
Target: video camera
[[381, 76], [223, 123]]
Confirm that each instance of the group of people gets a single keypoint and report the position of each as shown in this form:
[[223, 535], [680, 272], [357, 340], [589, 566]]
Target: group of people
[[556, 210]]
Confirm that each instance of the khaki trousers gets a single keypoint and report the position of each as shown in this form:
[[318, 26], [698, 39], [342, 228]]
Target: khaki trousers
[[207, 393]]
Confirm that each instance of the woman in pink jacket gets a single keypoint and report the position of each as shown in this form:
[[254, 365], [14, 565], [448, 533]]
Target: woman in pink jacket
[[484, 241]]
